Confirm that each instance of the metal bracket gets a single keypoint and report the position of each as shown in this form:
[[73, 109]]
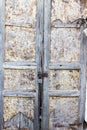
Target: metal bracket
[[42, 75]]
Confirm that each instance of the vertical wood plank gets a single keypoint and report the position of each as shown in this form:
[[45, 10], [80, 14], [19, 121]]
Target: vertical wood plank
[[39, 34], [86, 85], [39, 54], [82, 78], [45, 113], [36, 114], [1, 59]]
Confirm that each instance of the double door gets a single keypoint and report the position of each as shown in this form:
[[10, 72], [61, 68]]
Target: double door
[[42, 64]]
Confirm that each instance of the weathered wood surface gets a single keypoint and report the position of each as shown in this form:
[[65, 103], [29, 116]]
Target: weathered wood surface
[[64, 80], [13, 105], [65, 45], [20, 92], [82, 78], [21, 12], [63, 111], [19, 113], [19, 67], [65, 66], [19, 43], [64, 93], [1, 60], [20, 121], [65, 10], [13, 128], [45, 111], [27, 48], [20, 63], [39, 58], [23, 80], [33, 65], [86, 87], [64, 75]]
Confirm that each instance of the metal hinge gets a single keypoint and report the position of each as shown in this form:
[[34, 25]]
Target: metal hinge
[[42, 75]]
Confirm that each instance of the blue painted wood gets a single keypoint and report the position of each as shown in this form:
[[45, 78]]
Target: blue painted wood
[[1, 60], [45, 107], [63, 66], [15, 121], [39, 57], [82, 77]]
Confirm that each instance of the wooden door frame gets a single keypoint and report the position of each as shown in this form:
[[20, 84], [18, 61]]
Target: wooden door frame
[[81, 66], [45, 106], [39, 52], [1, 60], [43, 36], [20, 65]]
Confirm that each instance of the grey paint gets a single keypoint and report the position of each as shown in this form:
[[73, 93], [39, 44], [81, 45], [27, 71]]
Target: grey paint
[[1, 59]]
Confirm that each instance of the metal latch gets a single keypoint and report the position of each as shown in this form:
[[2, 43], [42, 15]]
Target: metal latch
[[42, 75]]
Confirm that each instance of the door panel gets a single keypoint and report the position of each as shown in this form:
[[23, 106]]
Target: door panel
[[64, 60], [20, 22], [20, 43], [64, 107], [20, 91], [63, 112], [65, 10], [20, 37], [65, 44], [64, 80], [21, 13], [24, 80], [18, 112], [42, 65]]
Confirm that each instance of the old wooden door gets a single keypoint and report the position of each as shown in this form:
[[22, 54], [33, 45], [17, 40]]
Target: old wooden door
[[65, 62], [42, 64], [18, 66]]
